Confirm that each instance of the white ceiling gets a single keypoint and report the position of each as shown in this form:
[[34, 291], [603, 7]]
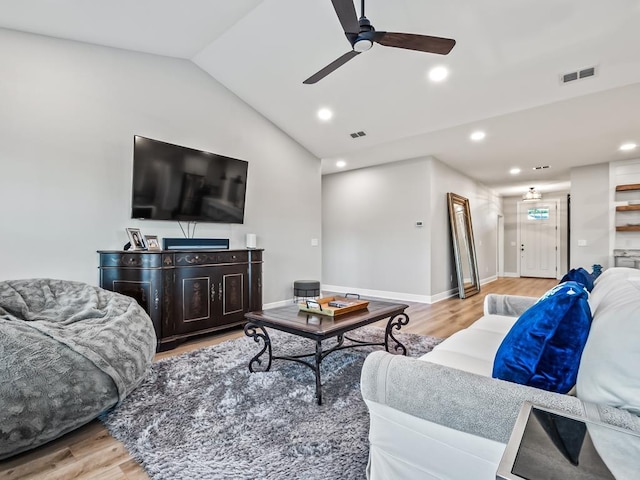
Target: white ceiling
[[505, 74]]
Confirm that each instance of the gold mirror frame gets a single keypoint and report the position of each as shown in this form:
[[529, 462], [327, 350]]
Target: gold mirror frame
[[464, 250]]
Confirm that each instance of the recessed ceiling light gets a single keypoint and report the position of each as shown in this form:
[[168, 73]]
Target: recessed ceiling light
[[514, 171], [438, 74], [477, 136], [325, 114], [341, 164], [628, 146]]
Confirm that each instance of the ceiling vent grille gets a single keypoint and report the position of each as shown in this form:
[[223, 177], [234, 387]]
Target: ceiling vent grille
[[357, 134], [587, 72], [578, 75]]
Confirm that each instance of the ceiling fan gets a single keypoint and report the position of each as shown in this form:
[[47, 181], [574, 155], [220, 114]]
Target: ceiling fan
[[361, 36]]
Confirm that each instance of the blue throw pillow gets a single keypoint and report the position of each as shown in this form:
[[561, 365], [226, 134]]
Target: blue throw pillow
[[544, 346], [581, 276]]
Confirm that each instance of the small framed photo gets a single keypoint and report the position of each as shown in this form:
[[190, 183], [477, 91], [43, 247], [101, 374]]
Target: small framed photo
[[152, 242], [136, 239]]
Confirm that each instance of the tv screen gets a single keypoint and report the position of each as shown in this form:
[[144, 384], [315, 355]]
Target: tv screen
[[171, 182]]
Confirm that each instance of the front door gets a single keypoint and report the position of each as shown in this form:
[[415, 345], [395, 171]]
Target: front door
[[538, 239]]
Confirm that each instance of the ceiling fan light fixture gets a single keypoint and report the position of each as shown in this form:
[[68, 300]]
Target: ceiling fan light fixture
[[362, 45], [532, 195]]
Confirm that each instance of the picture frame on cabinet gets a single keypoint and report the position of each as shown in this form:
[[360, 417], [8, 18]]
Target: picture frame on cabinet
[[136, 239], [152, 242]]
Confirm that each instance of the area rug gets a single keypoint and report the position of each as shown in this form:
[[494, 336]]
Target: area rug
[[203, 415]]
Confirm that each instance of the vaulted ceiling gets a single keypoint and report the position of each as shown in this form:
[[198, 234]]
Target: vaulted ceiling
[[505, 75]]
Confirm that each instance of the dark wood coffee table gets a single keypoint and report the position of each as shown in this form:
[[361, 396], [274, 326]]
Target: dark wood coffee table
[[320, 327]]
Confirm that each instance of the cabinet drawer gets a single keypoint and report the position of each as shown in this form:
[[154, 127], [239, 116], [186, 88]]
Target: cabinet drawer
[[233, 257], [207, 258], [133, 260]]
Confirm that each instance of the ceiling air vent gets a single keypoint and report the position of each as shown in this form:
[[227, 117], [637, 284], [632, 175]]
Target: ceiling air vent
[[578, 75], [357, 134], [587, 72]]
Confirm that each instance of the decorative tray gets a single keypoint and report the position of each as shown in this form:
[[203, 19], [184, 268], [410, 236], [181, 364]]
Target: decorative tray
[[333, 306]]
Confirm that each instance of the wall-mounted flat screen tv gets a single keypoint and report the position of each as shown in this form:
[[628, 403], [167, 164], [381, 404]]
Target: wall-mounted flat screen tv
[[171, 182]]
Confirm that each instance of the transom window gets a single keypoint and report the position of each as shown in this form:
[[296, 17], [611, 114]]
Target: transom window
[[538, 214]]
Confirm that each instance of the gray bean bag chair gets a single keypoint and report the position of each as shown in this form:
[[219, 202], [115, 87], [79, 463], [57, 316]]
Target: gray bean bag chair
[[68, 352]]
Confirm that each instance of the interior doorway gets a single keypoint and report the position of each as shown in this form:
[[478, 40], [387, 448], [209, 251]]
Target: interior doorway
[[538, 238]]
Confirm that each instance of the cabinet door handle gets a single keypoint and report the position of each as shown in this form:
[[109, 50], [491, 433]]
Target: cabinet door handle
[[220, 292], [156, 300], [213, 292]]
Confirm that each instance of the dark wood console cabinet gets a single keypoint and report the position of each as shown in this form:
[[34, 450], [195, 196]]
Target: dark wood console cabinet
[[187, 292]]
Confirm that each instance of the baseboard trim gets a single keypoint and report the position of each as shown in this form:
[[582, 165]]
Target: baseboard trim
[[511, 274], [281, 303], [438, 297], [409, 297], [387, 295], [484, 281]]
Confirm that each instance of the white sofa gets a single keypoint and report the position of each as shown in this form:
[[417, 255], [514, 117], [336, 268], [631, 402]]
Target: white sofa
[[442, 416]]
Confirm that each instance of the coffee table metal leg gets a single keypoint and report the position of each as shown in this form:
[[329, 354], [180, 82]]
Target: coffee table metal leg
[[396, 323], [317, 369], [259, 333]]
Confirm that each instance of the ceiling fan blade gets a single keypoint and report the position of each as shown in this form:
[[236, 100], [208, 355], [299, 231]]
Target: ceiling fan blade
[[331, 67], [410, 41], [347, 15]]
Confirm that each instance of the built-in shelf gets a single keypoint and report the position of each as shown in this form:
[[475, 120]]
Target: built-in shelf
[[628, 187], [624, 213]]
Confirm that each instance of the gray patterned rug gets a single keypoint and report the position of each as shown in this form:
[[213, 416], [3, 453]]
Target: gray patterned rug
[[202, 415]]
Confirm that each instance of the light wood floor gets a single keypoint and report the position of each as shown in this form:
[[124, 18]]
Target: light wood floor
[[91, 453]]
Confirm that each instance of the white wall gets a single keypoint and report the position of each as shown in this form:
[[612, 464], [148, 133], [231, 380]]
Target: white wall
[[485, 207], [68, 114], [372, 244], [590, 204], [370, 238], [511, 249]]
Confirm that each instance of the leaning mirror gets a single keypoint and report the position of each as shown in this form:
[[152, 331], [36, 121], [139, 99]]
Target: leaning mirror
[[464, 250]]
